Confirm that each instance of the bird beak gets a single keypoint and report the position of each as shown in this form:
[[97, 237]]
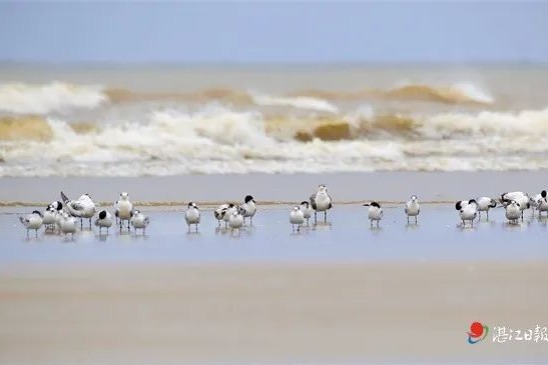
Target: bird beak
[[366, 205]]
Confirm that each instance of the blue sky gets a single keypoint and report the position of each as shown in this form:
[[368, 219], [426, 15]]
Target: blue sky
[[274, 32]]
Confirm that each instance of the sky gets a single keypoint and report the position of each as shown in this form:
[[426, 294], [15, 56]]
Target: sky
[[274, 32]]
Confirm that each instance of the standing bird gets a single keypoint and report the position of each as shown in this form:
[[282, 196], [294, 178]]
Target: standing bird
[[83, 208], [542, 203], [412, 208], [513, 212], [123, 209], [104, 220], [321, 202], [375, 212], [468, 212], [307, 212], [236, 220], [32, 221], [139, 221], [521, 198], [220, 212], [67, 224], [484, 204], [49, 218], [248, 208], [192, 215], [296, 218], [228, 214]]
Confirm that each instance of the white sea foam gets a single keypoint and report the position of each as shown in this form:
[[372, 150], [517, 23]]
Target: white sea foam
[[220, 140], [55, 97]]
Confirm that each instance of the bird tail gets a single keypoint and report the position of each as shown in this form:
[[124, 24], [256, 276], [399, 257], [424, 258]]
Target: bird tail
[[23, 220], [64, 198]]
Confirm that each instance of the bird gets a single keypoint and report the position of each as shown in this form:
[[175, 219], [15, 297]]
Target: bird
[[375, 212], [220, 212], [412, 208], [192, 215], [104, 220], [32, 221], [67, 224], [296, 218], [321, 202], [542, 203], [123, 209], [469, 212], [49, 217], [236, 220], [83, 207], [228, 214], [521, 198], [248, 208], [307, 212], [484, 204], [139, 221], [513, 212]]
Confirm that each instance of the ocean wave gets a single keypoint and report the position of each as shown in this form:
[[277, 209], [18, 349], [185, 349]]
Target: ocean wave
[[299, 102], [221, 140], [55, 97], [62, 98]]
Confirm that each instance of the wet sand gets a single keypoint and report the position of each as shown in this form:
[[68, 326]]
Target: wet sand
[[344, 187], [234, 314], [337, 292]]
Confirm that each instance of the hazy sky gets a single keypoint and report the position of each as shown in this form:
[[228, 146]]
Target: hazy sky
[[274, 32]]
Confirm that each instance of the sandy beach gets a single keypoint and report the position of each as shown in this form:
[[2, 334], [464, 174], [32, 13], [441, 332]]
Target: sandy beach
[[223, 314], [339, 292]]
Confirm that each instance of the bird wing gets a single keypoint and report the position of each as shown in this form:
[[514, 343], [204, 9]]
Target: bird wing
[[24, 221], [330, 201], [313, 201]]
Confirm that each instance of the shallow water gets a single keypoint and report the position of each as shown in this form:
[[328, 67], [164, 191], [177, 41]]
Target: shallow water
[[346, 237]]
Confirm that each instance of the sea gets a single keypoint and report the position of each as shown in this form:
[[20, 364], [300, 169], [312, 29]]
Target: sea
[[130, 120]]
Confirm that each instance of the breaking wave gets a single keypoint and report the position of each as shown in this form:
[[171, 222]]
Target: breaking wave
[[220, 140], [62, 98], [56, 97]]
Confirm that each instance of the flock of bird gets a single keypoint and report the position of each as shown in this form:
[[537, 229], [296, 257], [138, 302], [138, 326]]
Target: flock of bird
[[61, 216]]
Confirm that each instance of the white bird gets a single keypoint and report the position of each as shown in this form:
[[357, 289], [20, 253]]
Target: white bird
[[249, 208], [49, 218], [104, 220], [412, 208], [32, 221], [307, 211], [513, 212], [220, 212], [520, 197], [67, 224], [375, 212], [139, 221], [228, 213], [542, 203], [321, 202], [236, 220], [469, 212], [192, 215], [123, 209], [83, 207], [484, 204], [296, 218]]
